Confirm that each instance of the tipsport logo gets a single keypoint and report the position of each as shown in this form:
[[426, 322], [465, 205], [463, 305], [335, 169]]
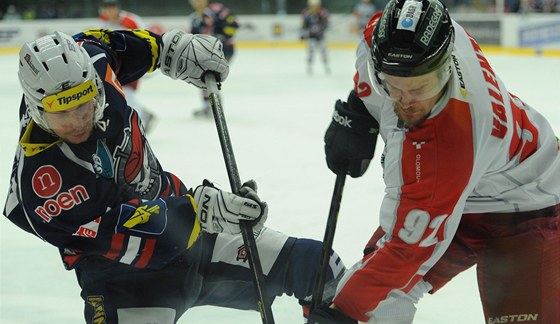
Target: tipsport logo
[[70, 98]]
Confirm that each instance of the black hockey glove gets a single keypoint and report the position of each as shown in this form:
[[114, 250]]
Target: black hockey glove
[[351, 137], [322, 314]]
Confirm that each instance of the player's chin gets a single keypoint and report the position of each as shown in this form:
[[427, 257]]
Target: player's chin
[[76, 137]]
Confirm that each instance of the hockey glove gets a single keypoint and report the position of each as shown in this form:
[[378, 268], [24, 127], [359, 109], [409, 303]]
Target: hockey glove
[[351, 137], [220, 211], [188, 57], [323, 314]]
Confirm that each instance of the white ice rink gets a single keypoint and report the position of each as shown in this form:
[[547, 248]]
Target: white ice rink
[[277, 115]]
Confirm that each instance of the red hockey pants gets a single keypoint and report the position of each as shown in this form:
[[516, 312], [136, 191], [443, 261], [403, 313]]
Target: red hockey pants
[[517, 257]]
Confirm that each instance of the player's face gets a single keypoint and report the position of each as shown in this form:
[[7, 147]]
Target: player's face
[[73, 125], [199, 5], [414, 97], [111, 12]]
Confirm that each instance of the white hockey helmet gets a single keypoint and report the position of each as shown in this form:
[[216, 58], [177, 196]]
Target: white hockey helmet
[[56, 74]]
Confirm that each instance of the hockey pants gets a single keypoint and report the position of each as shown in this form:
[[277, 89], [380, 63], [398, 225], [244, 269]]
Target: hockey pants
[[213, 272], [517, 258]]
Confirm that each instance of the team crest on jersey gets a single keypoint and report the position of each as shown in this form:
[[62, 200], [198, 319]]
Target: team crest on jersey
[[102, 161], [136, 167]]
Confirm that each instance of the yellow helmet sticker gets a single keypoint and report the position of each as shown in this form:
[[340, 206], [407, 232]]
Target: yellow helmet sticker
[[70, 98]]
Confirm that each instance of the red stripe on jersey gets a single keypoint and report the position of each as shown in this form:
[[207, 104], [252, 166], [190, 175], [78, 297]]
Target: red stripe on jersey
[[117, 243], [368, 31], [135, 163], [436, 165], [175, 183], [166, 192], [363, 89], [147, 253], [70, 260]]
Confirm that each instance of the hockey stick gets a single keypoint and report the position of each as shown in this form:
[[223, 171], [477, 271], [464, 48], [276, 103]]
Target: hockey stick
[[328, 240], [235, 183]]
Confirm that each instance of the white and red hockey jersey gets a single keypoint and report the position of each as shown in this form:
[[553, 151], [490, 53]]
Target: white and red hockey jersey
[[127, 20], [482, 149]]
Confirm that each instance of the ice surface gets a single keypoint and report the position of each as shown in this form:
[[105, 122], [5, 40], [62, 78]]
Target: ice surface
[[277, 115]]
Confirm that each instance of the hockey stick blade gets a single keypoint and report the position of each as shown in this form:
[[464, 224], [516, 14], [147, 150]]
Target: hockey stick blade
[[263, 303]]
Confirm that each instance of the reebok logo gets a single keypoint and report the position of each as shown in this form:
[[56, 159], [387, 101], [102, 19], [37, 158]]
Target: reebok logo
[[342, 120]]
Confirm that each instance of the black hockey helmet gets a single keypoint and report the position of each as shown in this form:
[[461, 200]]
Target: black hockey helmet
[[412, 37]]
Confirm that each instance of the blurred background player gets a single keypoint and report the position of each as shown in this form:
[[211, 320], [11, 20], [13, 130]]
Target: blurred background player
[[315, 23], [217, 20], [363, 11], [113, 17]]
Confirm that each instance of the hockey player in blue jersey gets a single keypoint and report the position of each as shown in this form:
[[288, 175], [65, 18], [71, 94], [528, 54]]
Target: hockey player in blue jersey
[[84, 179]]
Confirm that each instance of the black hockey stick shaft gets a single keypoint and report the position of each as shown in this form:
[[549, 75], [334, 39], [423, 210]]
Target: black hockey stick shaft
[[328, 240], [235, 183]]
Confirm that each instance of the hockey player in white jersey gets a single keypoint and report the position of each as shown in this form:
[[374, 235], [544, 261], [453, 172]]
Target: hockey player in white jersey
[[472, 175]]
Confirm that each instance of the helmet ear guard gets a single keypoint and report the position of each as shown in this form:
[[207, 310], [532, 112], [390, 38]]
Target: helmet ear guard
[[57, 74]]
